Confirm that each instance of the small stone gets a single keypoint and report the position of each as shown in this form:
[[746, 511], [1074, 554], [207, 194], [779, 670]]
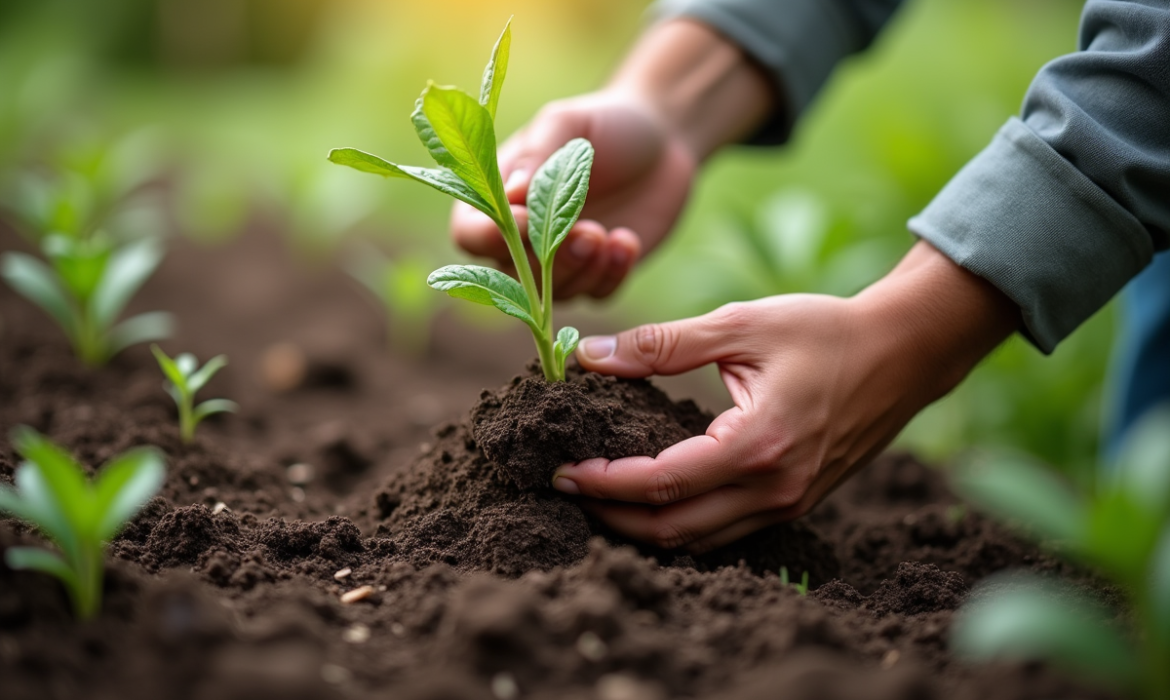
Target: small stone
[[194, 481], [343, 573], [398, 629], [504, 686], [283, 367], [220, 507], [335, 675], [297, 494], [381, 589], [356, 634], [591, 646], [890, 659], [357, 594], [299, 474]]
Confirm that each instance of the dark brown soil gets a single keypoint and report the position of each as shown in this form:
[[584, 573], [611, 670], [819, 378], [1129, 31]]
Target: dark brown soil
[[484, 583]]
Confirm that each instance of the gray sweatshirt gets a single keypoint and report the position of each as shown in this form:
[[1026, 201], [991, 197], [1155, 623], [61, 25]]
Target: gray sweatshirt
[[1068, 202]]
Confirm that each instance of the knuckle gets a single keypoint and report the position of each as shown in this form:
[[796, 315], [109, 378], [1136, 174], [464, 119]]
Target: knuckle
[[670, 536], [665, 487], [653, 343], [734, 315]]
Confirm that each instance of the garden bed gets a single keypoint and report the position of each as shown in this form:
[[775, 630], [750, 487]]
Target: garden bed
[[230, 584]]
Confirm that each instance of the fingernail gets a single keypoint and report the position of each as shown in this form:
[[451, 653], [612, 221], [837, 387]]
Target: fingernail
[[514, 180], [583, 247], [566, 485], [599, 347]]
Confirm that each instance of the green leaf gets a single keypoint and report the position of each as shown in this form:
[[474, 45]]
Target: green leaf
[[127, 270], [211, 406], [483, 285], [64, 477], [1017, 489], [12, 504], [169, 368], [441, 179], [33, 280], [466, 140], [79, 263], [197, 379], [42, 560], [156, 325], [124, 485], [1144, 466], [494, 72], [556, 196], [1121, 536], [567, 339], [45, 509], [1027, 619]]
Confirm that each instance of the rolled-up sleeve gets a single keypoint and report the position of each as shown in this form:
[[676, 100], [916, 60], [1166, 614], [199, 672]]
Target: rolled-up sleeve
[[797, 41], [1070, 201]]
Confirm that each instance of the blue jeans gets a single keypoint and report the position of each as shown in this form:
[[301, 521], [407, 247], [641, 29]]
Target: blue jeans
[[1142, 364]]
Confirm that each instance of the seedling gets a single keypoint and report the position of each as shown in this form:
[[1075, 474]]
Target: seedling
[[801, 588], [1123, 530], [458, 131], [85, 287], [408, 305], [78, 515], [184, 378]]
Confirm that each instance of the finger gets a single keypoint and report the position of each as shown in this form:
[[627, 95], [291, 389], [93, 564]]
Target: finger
[[735, 531], [690, 468], [521, 156], [583, 257], [477, 234], [679, 524], [657, 348], [625, 249]]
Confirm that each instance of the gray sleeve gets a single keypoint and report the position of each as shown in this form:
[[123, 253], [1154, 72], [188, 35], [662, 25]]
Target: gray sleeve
[[797, 41], [1069, 202]]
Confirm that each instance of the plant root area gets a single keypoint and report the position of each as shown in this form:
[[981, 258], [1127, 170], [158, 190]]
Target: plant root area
[[374, 525]]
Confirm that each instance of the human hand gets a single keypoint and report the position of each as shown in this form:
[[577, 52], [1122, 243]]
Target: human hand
[[820, 384], [639, 183]]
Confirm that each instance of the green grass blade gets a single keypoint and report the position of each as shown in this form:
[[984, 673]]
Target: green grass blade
[[466, 141], [127, 270], [440, 179], [124, 486], [494, 72], [200, 377], [155, 325], [556, 196], [483, 285], [168, 366], [36, 282]]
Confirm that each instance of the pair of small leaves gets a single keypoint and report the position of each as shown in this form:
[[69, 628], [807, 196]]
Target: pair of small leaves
[[53, 494], [185, 378], [567, 340]]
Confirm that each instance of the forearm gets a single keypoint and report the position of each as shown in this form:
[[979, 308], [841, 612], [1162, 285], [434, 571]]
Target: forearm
[[698, 84]]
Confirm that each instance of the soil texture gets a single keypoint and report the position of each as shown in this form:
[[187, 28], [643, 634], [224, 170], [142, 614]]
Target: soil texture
[[328, 542]]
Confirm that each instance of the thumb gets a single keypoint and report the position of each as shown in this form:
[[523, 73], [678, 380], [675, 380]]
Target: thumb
[[657, 348]]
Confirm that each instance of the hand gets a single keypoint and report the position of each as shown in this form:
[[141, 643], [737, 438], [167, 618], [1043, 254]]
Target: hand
[[820, 385], [640, 180]]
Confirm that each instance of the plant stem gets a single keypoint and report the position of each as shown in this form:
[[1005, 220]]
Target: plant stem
[[541, 309], [186, 419], [87, 598]]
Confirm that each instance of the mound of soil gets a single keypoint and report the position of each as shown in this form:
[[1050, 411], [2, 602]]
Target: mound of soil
[[310, 548]]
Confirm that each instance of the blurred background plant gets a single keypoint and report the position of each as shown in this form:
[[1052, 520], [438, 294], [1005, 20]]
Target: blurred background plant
[[235, 103]]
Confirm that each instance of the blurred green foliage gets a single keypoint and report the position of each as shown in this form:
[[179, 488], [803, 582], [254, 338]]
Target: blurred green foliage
[[243, 98]]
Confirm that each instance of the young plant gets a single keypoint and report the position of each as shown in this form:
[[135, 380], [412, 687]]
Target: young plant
[[184, 378], [801, 588], [78, 515], [458, 131], [84, 288], [409, 306], [1123, 530]]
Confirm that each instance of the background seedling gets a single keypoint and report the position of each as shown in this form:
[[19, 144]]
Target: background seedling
[[78, 515], [801, 588], [184, 379], [409, 306], [85, 286], [459, 132], [1123, 529]]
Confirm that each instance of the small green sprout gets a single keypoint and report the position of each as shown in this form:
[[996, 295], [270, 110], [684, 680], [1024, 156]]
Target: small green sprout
[[458, 131], [801, 588], [1122, 529], [184, 379], [77, 514], [85, 287]]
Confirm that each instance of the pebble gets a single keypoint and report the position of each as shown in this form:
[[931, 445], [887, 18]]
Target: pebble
[[283, 366], [343, 573], [398, 629], [357, 594], [297, 494], [504, 686], [299, 474], [220, 507], [890, 659], [591, 646], [356, 634]]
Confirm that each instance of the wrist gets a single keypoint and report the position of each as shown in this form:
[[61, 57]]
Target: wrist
[[936, 318], [696, 84]]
